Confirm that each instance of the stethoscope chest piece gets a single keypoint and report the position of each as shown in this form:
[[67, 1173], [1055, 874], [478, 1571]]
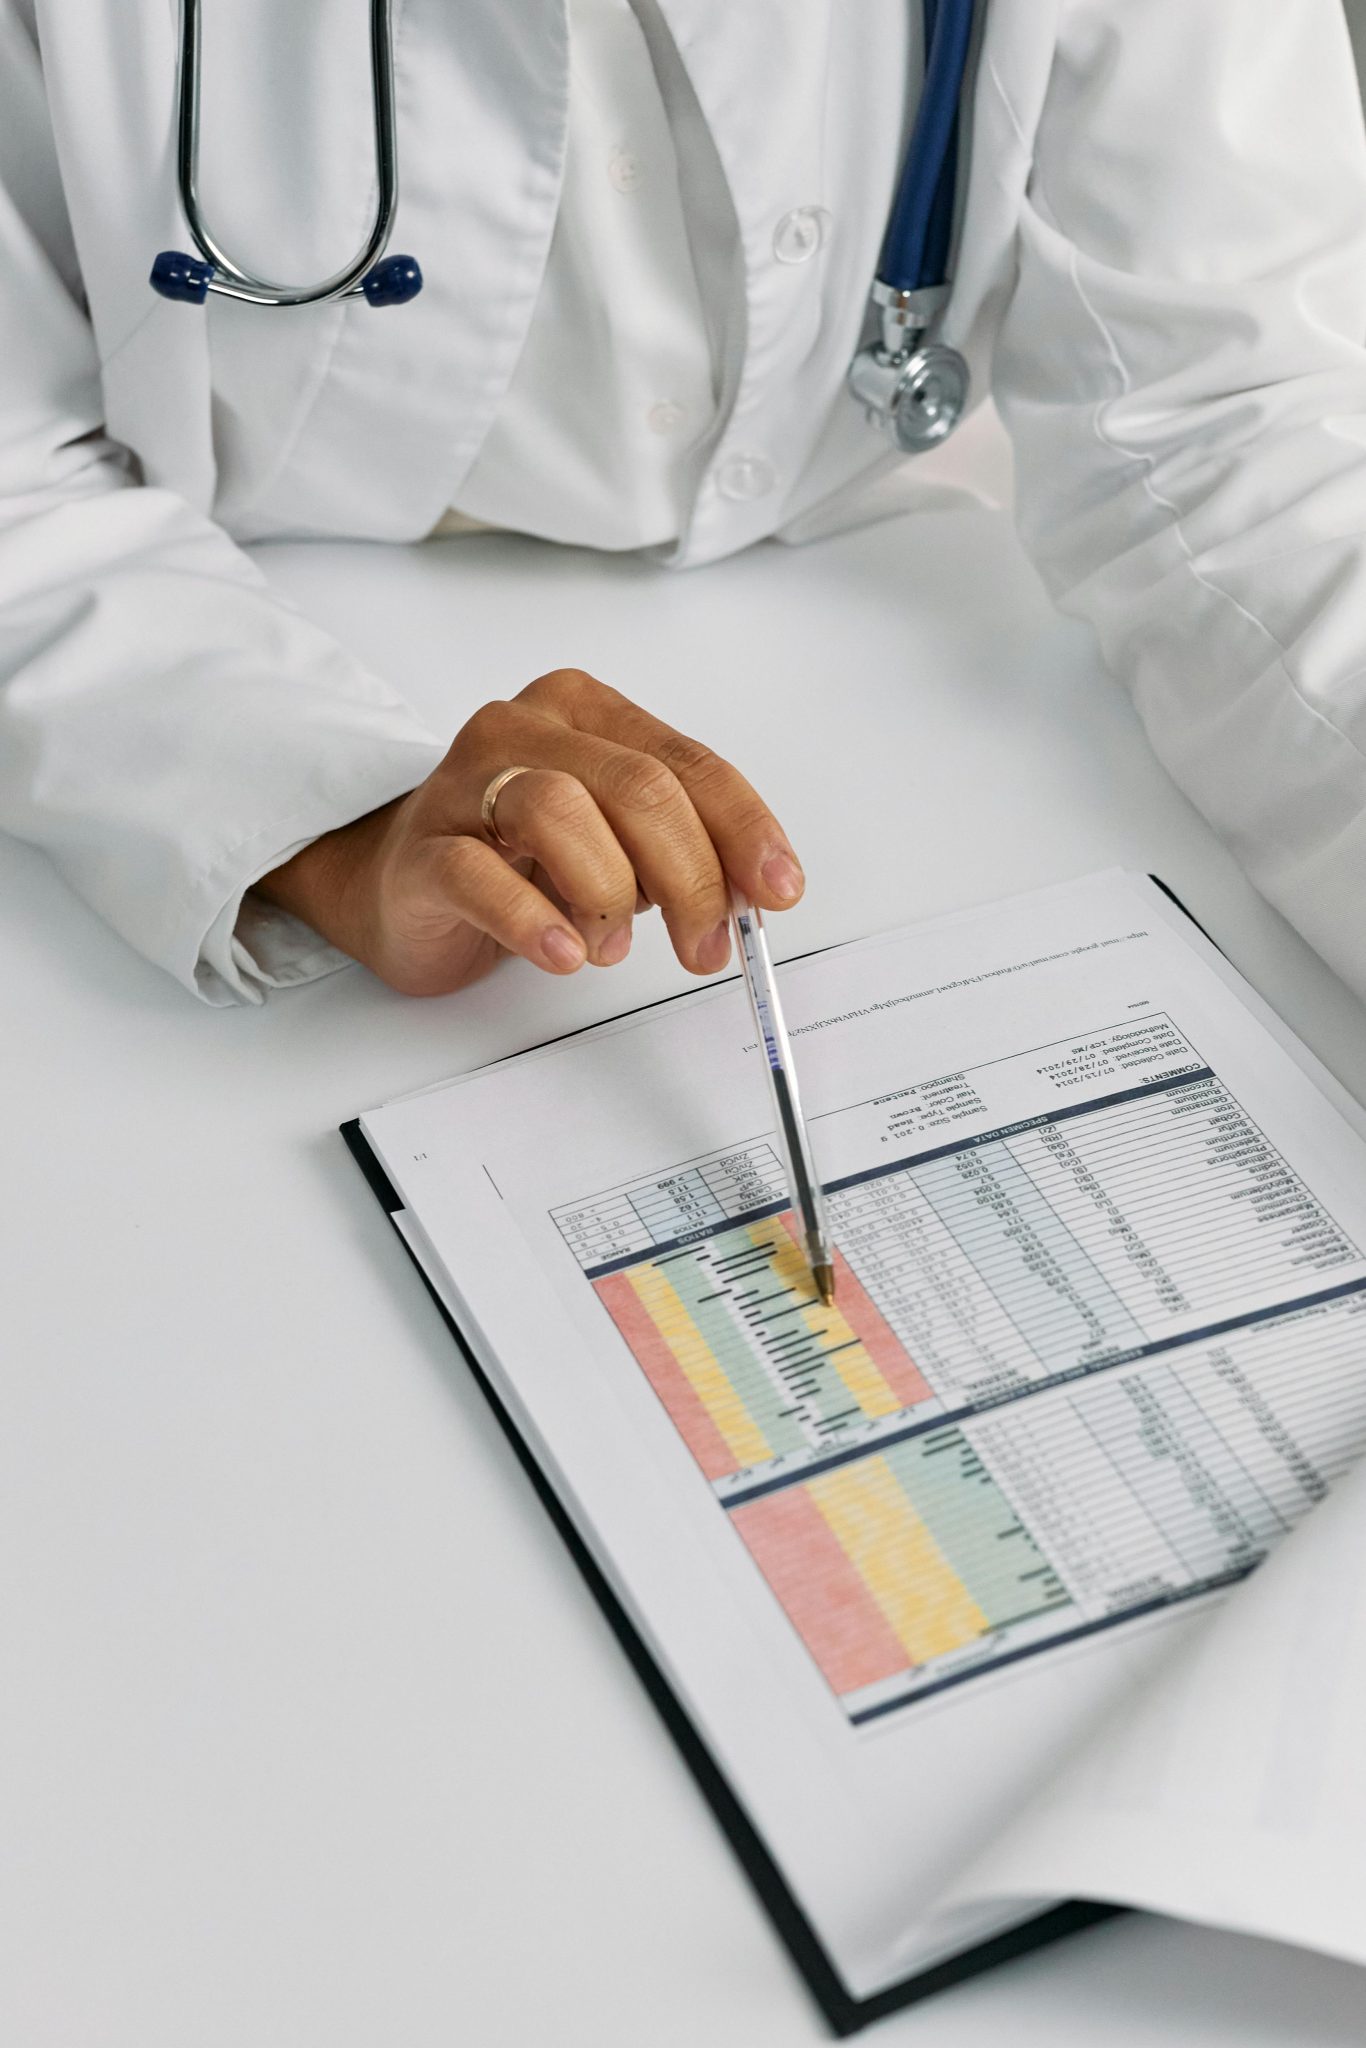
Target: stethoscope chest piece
[[916, 395]]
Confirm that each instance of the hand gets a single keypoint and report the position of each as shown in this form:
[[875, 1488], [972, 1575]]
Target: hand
[[617, 813]]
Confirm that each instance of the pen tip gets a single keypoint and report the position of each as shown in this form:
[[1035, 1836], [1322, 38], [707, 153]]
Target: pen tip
[[825, 1283]]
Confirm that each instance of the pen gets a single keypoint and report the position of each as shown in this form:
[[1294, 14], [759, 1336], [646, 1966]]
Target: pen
[[805, 1189]]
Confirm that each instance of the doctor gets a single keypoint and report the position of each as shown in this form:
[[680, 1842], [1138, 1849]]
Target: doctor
[[648, 229]]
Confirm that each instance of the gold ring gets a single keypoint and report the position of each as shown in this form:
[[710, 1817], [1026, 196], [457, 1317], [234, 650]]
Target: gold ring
[[491, 796]]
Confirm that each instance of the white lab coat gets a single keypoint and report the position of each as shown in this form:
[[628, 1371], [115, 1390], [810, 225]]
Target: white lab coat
[[1162, 276]]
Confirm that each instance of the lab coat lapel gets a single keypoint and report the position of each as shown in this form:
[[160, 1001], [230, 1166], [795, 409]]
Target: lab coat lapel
[[799, 121], [391, 406], [759, 75]]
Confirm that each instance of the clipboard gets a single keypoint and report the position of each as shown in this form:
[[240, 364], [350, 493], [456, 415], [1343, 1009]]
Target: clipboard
[[843, 2013]]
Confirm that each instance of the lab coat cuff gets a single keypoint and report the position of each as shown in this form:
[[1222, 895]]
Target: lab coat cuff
[[246, 946]]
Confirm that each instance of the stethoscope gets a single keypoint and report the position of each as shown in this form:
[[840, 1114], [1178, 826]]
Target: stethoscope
[[911, 385]]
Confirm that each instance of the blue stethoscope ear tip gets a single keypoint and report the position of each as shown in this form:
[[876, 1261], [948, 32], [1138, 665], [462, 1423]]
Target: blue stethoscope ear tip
[[178, 276], [393, 282]]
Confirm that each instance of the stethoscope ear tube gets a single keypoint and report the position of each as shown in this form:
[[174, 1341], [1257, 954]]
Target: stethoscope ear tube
[[179, 276]]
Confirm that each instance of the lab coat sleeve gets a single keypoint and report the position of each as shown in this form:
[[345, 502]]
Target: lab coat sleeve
[[1181, 370], [170, 730]]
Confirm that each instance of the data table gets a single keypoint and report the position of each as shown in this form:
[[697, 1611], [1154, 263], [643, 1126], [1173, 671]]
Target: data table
[[1079, 1366]]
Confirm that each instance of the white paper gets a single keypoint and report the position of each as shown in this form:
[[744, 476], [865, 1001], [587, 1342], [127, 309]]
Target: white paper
[[1100, 1344]]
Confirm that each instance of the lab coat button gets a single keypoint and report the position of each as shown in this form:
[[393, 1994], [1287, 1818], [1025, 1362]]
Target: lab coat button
[[799, 234], [746, 476]]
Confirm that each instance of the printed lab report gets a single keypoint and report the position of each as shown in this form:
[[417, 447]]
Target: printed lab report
[[963, 1580]]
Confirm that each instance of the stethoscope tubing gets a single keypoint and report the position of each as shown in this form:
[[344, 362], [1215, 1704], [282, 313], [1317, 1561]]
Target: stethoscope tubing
[[231, 279], [915, 248]]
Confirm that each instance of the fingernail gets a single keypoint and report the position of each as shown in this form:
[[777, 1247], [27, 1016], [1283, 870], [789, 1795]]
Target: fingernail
[[562, 948], [615, 946], [714, 951], [783, 876]]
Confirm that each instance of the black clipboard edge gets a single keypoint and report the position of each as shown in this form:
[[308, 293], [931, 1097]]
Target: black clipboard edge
[[1172, 897], [844, 2014]]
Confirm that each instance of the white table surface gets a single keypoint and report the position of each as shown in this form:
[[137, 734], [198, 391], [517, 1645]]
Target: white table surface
[[310, 1736]]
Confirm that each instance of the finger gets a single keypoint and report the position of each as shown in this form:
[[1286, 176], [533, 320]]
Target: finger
[[477, 884], [671, 855], [752, 846], [549, 815], [644, 805]]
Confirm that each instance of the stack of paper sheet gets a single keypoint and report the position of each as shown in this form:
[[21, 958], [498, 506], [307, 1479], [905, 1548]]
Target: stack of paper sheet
[[961, 1581]]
